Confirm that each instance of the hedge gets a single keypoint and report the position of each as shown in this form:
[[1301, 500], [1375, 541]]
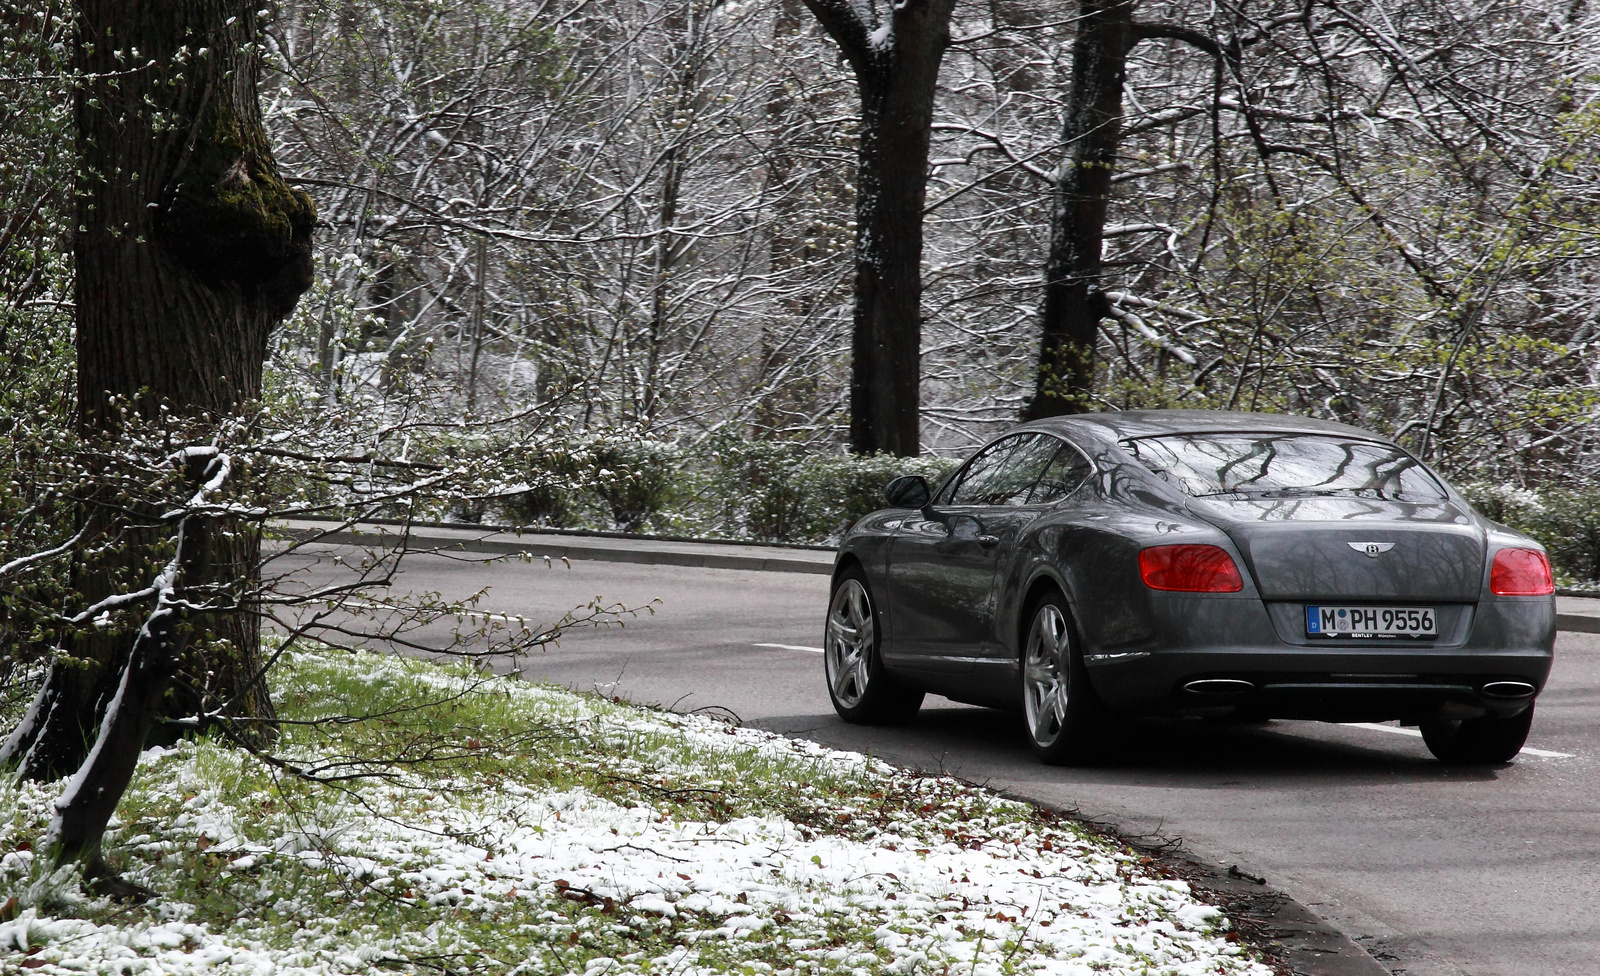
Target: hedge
[[1566, 521], [762, 491]]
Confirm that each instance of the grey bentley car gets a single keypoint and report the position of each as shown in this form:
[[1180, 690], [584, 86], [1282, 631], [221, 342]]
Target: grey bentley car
[[1232, 565]]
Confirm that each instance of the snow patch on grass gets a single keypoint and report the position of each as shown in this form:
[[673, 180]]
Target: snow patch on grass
[[538, 831]]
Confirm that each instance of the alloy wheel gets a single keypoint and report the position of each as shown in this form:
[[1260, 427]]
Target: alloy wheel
[[1046, 674], [849, 644]]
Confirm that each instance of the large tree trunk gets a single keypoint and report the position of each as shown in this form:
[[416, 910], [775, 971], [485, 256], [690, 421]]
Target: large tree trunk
[[896, 66], [1074, 302], [190, 249]]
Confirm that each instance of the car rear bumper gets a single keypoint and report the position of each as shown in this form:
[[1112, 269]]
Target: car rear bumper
[[1203, 655]]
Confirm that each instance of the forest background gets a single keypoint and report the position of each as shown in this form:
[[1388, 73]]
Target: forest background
[[703, 268], [621, 234]]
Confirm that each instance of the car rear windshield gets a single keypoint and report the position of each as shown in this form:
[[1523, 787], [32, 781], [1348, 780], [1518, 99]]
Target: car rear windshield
[[1279, 465]]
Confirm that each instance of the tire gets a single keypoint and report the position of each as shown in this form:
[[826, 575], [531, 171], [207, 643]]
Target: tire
[[1063, 716], [1485, 741], [862, 691]]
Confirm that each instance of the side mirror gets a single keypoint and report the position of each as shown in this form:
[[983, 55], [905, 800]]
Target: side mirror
[[908, 491]]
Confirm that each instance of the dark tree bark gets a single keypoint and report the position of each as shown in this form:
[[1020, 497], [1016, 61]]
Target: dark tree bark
[[190, 249], [1073, 301], [896, 65], [1074, 297]]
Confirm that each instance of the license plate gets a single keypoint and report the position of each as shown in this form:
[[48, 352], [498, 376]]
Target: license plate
[[1325, 621]]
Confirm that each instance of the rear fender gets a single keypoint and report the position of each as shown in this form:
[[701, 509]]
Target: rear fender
[[1041, 578]]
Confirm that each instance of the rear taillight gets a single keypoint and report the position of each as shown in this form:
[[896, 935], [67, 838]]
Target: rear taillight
[[1189, 569], [1521, 572]]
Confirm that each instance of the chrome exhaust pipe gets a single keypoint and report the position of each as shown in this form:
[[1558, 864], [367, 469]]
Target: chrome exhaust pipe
[[1219, 686], [1504, 690]]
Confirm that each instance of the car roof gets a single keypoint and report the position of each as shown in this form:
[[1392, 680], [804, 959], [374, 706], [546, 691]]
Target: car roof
[[1121, 424]]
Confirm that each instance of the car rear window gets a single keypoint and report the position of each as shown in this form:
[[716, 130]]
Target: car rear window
[[1279, 465]]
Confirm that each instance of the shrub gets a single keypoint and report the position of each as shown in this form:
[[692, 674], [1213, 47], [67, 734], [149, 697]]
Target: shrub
[[846, 487], [634, 478], [1571, 531], [556, 475], [787, 492], [1566, 521], [759, 492], [767, 491]]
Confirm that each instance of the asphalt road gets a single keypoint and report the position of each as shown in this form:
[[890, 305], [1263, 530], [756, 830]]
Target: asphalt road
[[1437, 872]]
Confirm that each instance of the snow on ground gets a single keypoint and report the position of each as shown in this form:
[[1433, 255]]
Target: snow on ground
[[694, 847]]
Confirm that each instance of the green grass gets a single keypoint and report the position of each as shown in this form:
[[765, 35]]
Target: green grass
[[493, 827]]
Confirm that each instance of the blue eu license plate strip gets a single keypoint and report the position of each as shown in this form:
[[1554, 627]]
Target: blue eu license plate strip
[[1347, 621]]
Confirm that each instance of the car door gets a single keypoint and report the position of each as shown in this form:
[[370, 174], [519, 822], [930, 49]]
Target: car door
[[943, 560], [1062, 477]]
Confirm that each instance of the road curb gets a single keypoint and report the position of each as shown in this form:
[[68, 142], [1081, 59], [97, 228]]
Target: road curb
[[696, 554], [1295, 939], [1287, 932], [1578, 623]]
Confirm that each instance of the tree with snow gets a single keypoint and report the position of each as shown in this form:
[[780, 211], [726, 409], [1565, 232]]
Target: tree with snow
[[190, 248], [896, 59]]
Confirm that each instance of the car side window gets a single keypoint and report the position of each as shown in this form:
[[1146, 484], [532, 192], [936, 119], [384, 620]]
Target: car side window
[[1005, 472], [970, 481], [1061, 477]]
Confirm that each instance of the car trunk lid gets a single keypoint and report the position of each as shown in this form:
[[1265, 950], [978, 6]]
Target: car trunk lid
[[1355, 548]]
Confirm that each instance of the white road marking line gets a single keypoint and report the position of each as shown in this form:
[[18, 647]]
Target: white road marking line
[[1543, 753], [1395, 729], [1381, 728], [791, 647]]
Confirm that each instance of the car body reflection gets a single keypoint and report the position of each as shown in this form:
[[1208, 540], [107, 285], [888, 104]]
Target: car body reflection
[[1163, 562]]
